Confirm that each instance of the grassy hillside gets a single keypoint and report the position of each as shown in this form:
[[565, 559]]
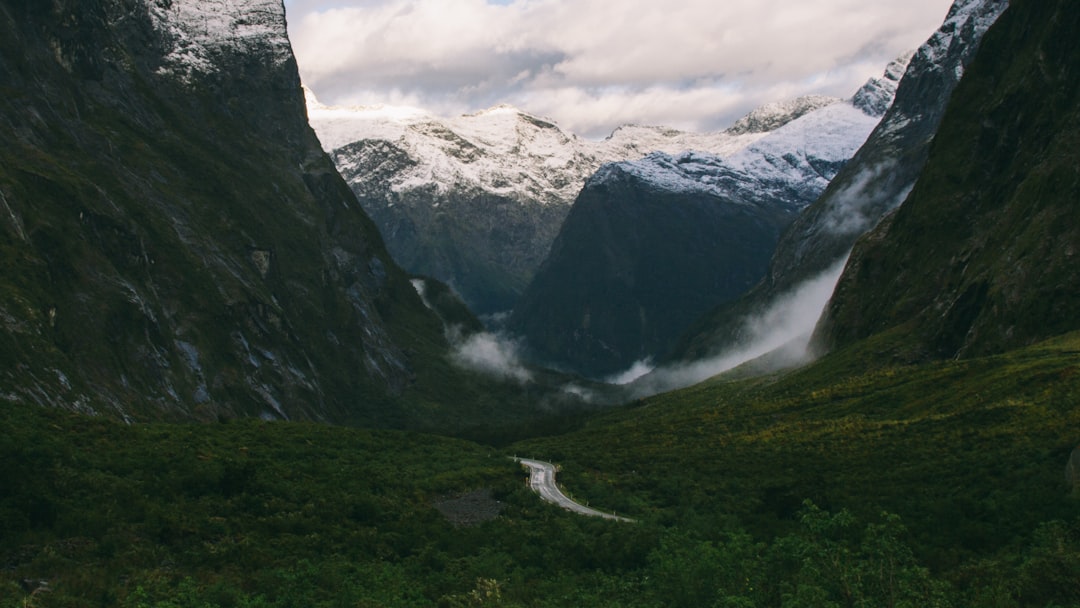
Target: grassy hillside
[[970, 454], [966, 458]]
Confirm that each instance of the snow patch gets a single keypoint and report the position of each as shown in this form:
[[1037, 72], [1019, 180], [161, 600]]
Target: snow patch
[[199, 32]]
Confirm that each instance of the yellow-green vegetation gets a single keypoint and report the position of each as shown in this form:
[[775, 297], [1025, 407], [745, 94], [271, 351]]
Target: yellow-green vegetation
[[969, 454], [249, 513], [837, 485]]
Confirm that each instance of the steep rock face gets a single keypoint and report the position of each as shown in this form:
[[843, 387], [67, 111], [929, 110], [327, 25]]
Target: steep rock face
[[982, 256], [477, 201], [876, 180], [650, 245], [175, 242]]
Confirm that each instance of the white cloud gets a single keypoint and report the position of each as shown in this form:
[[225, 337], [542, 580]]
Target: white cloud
[[783, 329], [595, 64], [490, 353]]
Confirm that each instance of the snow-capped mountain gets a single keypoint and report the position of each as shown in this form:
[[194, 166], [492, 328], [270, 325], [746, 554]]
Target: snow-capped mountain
[[876, 181], [652, 244], [477, 200]]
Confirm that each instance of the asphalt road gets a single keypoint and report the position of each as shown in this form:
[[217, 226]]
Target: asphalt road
[[542, 481]]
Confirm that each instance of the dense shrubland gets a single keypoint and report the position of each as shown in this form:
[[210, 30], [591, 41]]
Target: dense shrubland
[[916, 486]]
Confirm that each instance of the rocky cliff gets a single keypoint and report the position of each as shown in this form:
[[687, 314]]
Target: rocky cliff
[[877, 180], [175, 243], [982, 256]]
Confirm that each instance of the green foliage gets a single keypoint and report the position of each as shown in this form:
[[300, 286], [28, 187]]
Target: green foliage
[[970, 454], [250, 513]]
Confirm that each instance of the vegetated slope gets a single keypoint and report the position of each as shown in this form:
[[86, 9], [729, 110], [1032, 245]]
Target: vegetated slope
[[281, 514], [878, 178], [476, 200], [175, 243], [650, 245], [983, 255], [970, 455]]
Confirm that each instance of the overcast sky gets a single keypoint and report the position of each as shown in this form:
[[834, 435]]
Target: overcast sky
[[593, 65]]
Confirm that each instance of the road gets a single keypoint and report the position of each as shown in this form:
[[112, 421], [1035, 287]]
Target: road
[[542, 481]]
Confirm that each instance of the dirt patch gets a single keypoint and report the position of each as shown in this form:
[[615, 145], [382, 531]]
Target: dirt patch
[[471, 508]]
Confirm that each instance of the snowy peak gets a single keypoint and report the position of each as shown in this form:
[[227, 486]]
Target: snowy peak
[[790, 162], [501, 150], [772, 116], [967, 20], [876, 96]]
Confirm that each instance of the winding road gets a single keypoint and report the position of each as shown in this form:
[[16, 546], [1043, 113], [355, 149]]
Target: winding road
[[542, 481]]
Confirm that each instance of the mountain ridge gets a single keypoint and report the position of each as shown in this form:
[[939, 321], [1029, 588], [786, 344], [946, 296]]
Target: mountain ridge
[[476, 200], [997, 201]]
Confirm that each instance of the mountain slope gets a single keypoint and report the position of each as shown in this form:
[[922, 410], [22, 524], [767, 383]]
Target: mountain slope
[[981, 258], [650, 245], [175, 242], [477, 200], [876, 180]]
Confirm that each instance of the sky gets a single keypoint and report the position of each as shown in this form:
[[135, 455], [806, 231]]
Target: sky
[[593, 65]]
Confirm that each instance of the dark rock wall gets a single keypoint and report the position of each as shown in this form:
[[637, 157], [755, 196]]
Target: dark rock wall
[[174, 242]]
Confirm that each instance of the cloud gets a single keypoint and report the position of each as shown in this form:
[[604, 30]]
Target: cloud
[[489, 353], [783, 330], [694, 64], [486, 352]]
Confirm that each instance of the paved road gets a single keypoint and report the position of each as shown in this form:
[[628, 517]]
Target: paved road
[[542, 481]]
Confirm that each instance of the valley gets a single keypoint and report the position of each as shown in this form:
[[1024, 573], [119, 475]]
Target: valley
[[220, 386]]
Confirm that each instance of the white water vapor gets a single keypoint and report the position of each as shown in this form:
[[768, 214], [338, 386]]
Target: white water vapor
[[486, 352], [782, 331], [489, 353]]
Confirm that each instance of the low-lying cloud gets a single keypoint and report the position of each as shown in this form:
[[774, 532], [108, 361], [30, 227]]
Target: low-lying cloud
[[486, 352], [489, 353], [782, 331], [593, 65]]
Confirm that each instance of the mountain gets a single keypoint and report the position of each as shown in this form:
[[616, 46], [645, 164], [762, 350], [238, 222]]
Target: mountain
[[810, 254], [650, 245], [982, 256], [175, 243], [476, 201]]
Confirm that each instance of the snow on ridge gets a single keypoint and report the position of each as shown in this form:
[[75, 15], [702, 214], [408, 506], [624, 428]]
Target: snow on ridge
[[776, 114], [975, 15], [803, 153], [500, 150], [199, 31]]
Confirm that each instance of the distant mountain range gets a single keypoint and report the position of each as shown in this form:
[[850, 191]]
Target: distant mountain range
[[476, 201]]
